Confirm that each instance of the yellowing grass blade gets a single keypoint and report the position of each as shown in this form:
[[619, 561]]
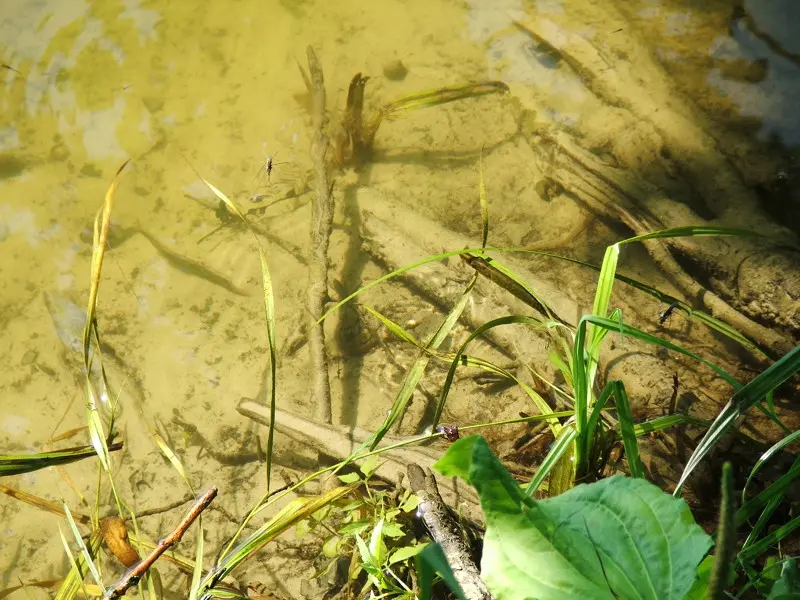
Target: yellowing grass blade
[[101, 226], [297, 510], [269, 312], [397, 330], [72, 562], [172, 458], [87, 556], [74, 579]]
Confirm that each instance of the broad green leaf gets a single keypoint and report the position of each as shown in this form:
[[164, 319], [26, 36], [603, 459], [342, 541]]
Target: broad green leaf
[[376, 546], [355, 528], [349, 478], [406, 552], [392, 530], [617, 538], [788, 586], [700, 585], [332, 546], [410, 503], [430, 562]]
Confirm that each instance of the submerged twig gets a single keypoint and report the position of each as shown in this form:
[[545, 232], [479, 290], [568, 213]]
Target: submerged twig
[[321, 223], [135, 573], [443, 529]]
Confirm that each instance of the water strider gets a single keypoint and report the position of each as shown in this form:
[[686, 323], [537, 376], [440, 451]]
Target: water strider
[[666, 313]]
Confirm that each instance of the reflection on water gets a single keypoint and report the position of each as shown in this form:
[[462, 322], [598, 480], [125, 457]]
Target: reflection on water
[[86, 85]]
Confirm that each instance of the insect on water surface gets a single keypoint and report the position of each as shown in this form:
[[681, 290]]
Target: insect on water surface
[[268, 166], [664, 315]]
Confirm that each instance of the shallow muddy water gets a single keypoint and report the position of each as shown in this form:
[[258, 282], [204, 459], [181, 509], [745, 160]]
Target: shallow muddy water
[[213, 89]]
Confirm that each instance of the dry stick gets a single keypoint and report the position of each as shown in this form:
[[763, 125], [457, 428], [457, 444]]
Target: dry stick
[[321, 222], [443, 529], [134, 574]]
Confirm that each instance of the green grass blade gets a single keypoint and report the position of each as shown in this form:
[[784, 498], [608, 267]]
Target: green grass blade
[[597, 409], [562, 444], [582, 365], [602, 296], [690, 313], [74, 579], [415, 373], [443, 95], [763, 520], [665, 422], [74, 566], [172, 458], [296, 511], [774, 449], [741, 401], [269, 314], [773, 538], [540, 403], [507, 279], [87, 556], [627, 430], [197, 573], [580, 380], [775, 490], [97, 436], [397, 330], [16, 464], [694, 231], [392, 275]]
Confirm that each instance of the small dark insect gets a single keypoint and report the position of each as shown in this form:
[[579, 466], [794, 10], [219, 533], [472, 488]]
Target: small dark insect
[[664, 315], [450, 432], [673, 400], [268, 166]]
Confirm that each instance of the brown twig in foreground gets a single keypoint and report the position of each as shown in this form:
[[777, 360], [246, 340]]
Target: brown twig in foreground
[[321, 223], [134, 574], [436, 516]]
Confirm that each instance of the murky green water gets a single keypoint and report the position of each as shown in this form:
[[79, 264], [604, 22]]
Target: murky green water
[[215, 87]]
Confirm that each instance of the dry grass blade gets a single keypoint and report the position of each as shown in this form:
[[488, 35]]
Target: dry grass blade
[[44, 584], [40, 503]]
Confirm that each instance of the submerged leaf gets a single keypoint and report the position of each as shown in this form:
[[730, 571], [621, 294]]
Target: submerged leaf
[[617, 538]]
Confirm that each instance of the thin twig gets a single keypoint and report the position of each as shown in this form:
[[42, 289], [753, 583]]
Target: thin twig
[[443, 529], [321, 222], [134, 574]]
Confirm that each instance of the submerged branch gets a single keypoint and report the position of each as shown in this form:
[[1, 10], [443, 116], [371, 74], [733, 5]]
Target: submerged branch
[[321, 223]]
